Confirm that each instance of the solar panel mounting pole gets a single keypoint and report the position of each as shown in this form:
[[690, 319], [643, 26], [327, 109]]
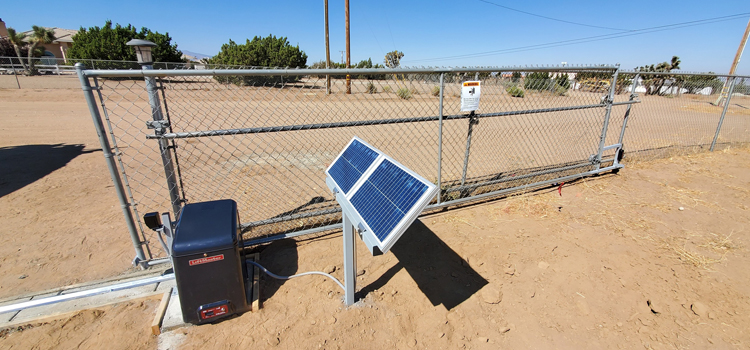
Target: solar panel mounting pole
[[350, 261]]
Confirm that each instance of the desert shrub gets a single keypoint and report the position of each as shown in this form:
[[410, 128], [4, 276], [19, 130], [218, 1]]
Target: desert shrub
[[414, 91], [371, 88], [260, 52], [404, 93], [435, 91], [387, 88], [515, 77], [560, 90], [563, 81], [537, 81], [515, 91]]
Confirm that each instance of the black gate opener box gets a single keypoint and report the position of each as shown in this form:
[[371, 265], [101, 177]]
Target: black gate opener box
[[208, 264]]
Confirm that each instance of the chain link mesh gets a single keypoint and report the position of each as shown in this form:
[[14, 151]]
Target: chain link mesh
[[266, 140]]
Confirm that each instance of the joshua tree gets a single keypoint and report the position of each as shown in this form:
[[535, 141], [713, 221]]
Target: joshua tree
[[654, 83], [39, 35], [17, 41], [393, 59]]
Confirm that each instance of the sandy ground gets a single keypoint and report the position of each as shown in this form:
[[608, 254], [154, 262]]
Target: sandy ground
[[111, 327], [612, 262]]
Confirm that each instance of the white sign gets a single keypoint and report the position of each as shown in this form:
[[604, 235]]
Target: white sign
[[470, 96]]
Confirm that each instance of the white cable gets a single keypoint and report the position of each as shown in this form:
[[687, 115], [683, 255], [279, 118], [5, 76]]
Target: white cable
[[297, 275]]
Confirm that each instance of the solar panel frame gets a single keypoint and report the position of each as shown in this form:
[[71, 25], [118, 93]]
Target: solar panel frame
[[367, 233], [390, 239]]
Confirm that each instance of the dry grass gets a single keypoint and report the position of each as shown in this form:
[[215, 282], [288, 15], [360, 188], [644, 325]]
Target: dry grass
[[712, 249], [455, 219]]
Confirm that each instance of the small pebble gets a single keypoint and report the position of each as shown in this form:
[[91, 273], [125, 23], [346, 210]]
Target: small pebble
[[681, 208], [22, 277], [699, 308], [543, 265], [360, 272]]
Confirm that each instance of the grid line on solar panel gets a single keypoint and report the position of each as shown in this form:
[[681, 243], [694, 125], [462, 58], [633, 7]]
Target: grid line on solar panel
[[351, 165], [385, 198]]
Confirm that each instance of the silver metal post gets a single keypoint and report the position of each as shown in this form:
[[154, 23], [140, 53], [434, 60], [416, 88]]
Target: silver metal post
[[160, 128], [472, 120], [13, 67], [107, 151], [610, 99], [724, 112], [440, 142], [350, 261], [626, 117]]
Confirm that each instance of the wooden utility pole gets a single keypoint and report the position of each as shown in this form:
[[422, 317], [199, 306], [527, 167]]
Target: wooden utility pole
[[328, 54], [348, 55], [724, 91]]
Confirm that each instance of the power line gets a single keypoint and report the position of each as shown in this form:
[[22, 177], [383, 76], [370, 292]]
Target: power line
[[550, 18], [591, 38]]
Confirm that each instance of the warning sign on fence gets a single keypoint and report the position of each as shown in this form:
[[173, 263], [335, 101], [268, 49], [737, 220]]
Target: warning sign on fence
[[470, 96]]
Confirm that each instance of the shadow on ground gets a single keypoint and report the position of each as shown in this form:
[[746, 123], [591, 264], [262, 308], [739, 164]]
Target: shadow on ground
[[441, 274], [23, 165], [281, 258]]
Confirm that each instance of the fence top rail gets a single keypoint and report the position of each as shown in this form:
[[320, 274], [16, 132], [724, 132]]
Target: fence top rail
[[677, 73], [352, 71]]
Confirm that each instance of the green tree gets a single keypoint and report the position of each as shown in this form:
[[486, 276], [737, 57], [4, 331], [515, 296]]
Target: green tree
[[537, 81], [260, 52], [515, 77], [393, 59], [655, 83], [109, 43], [19, 45], [39, 35]]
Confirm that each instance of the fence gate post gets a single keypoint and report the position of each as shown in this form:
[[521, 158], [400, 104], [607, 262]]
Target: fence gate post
[[107, 151], [160, 127], [724, 111], [609, 100], [618, 154], [440, 141]]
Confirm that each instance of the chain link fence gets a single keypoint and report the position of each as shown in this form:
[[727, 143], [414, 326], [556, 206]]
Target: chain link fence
[[265, 137]]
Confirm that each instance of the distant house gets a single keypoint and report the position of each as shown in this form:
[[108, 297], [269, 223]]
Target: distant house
[[59, 47]]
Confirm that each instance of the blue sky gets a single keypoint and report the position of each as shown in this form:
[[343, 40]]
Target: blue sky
[[430, 33]]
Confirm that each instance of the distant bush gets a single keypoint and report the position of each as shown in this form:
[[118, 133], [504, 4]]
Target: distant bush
[[435, 91], [404, 93], [563, 81], [515, 91], [371, 88], [387, 88], [260, 52], [515, 77], [539, 81], [559, 90]]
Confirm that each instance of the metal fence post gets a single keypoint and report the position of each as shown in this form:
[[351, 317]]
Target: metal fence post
[[724, 111], [626, 118], [107, 151], [609, 101], [13, 67], [160, 128], [440, 141]]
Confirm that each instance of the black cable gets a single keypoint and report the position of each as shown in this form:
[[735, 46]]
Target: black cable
[[550, 18], [592, 38]]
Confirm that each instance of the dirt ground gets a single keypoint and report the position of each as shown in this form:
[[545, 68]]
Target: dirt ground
[[652, 257]]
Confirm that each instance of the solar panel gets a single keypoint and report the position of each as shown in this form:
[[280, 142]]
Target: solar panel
[[379, 195], [351, 164]]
